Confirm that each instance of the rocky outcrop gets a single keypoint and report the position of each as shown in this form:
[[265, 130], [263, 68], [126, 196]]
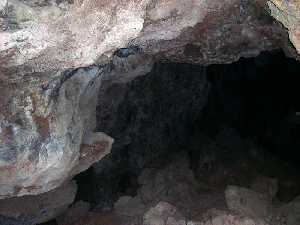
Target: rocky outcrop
[[47, 35], [53, 55]]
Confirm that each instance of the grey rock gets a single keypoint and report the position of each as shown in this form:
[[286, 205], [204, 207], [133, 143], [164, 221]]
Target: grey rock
[[42, 144], [163, 214], [11, 221], [74, 213], [287, 12], [32, 210], [290, 212], [294, 212], [129, 206], [265, 185], [248, 202], [217, 217]]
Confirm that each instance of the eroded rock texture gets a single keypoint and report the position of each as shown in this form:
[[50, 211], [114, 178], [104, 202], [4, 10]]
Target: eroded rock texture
[[54, 53], [46, 131]]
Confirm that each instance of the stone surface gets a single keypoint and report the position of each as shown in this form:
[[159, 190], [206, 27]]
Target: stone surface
[[77, 211], [293, 216], [32, 210], [265, 185], [171, 195], [151, 105], [129, 206], [173, 185], [289, 213], [163, 214], [43, 129], [288, 13], [217, 217], [248, 202], [53, 53], [49, 35]]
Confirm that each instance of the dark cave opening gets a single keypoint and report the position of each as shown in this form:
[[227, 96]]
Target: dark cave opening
[[258, 96], [232, 121]]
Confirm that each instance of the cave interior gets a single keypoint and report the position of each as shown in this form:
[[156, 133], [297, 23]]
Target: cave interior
[[226, 124]]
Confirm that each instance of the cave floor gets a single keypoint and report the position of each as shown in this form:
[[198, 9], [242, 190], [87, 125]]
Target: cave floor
[[196, 191]]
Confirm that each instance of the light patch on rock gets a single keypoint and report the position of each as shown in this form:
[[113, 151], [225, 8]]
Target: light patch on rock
[[172, 17], [288, 13], [3, 3]]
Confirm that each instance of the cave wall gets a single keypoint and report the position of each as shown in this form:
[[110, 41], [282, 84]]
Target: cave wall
[[158, 110], [218, 116], [258, 97], [53, 55]]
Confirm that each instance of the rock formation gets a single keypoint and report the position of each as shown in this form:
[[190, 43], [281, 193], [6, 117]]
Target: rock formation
[[54, 54]]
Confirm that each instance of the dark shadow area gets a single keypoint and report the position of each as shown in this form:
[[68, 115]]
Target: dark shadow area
[[52, 222], [235, 122], [258, 97]]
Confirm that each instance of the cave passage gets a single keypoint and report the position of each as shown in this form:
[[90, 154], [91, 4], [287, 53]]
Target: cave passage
[[233, 123], [259, 98]]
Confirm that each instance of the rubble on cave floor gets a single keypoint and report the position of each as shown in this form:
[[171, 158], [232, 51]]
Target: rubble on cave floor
[[235, 190]]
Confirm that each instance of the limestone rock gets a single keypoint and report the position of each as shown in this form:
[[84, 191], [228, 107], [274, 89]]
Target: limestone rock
[[32, 210], [248, 202]]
